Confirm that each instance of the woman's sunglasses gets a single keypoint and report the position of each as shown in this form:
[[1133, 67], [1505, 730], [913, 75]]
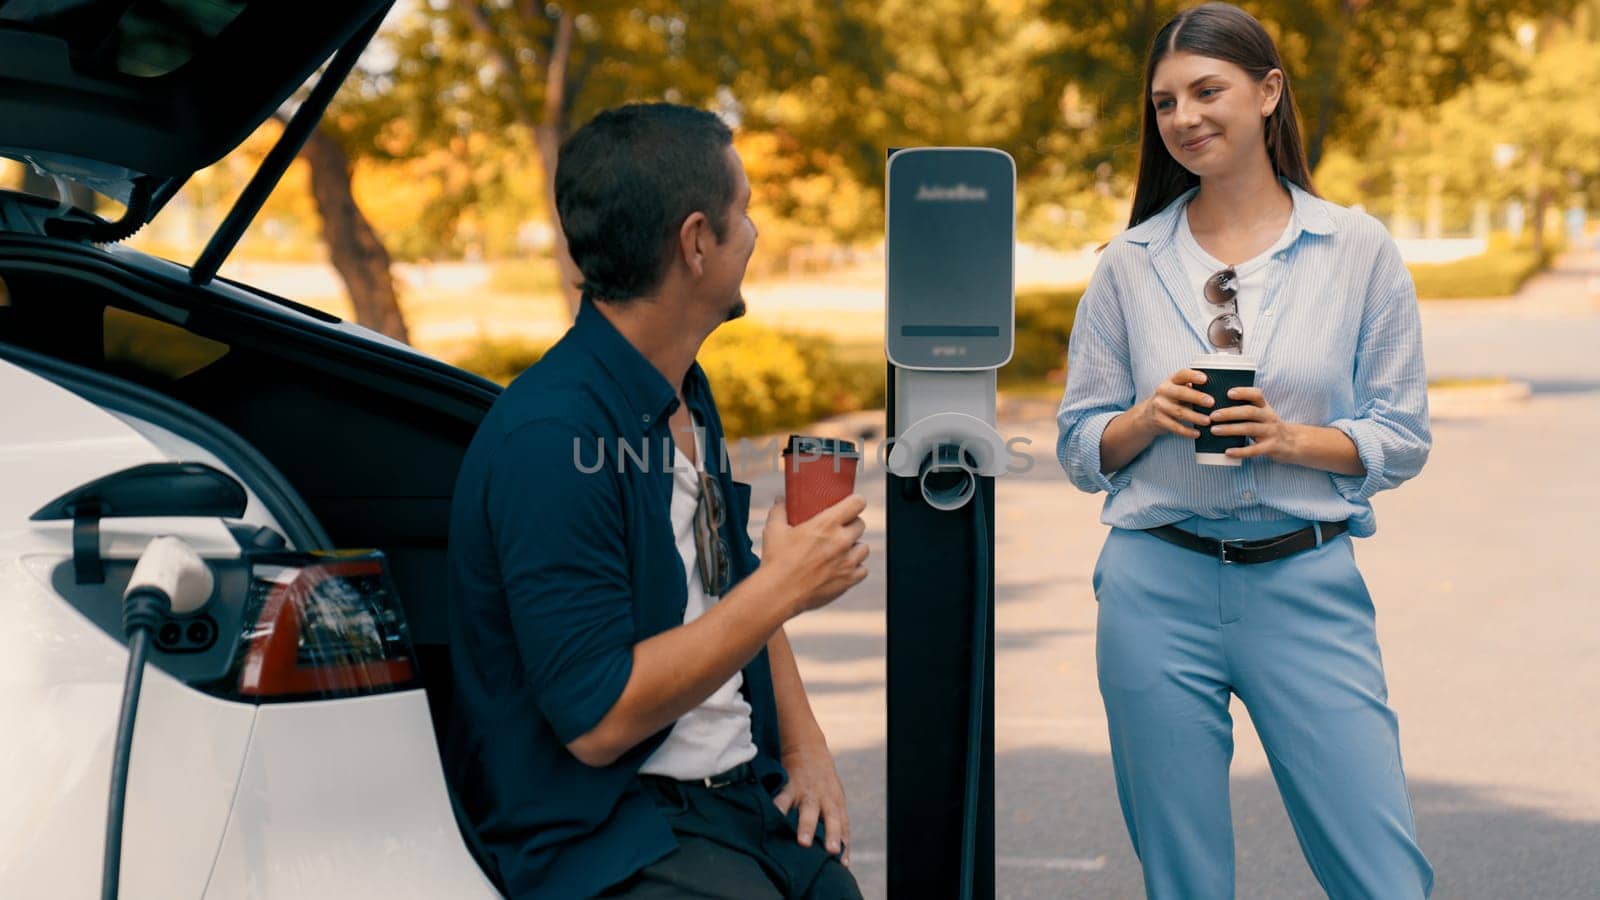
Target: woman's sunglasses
[[1226, 331]]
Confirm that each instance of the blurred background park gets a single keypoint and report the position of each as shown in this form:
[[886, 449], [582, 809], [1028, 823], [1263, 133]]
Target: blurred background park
[[422, 205]]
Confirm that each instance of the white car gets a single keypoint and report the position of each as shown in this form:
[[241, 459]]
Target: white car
[[285, 744]]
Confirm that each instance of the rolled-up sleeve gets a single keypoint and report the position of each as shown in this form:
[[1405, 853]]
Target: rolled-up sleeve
[[558, 537], [1100, 384], [1390, 424]]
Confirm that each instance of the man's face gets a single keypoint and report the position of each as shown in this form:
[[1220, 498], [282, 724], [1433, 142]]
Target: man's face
[[725, 265]]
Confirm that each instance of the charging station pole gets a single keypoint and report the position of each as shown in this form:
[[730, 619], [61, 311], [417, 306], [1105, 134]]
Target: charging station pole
[[949, 251]]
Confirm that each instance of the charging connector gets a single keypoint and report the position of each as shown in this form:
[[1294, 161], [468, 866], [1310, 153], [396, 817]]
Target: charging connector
[[169, 579]]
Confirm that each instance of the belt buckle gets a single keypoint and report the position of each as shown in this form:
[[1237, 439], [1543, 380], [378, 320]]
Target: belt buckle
[[715, 782], [1222, 549]]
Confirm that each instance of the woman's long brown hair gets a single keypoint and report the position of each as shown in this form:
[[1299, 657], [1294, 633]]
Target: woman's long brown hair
[[1226, 32]]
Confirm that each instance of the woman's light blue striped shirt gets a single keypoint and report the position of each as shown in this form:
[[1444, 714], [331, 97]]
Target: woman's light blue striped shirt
[[1338, 342]]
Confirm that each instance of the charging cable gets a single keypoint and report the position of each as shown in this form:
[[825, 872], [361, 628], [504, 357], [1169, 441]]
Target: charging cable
[[975, 696], [169, 579]]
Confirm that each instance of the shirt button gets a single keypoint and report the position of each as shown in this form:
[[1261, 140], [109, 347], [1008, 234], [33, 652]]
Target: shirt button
[[646, 419], [1282, 256], [1266, 312], [1249, 496]]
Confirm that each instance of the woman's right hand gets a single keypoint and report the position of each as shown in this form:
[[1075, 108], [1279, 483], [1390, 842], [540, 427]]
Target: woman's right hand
[[1168, 410]]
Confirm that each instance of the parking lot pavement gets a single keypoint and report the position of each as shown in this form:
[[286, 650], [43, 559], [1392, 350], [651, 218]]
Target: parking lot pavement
[[1483, 575]]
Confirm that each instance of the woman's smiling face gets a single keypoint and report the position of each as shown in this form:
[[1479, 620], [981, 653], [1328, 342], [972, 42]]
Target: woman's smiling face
[[1211, 112]]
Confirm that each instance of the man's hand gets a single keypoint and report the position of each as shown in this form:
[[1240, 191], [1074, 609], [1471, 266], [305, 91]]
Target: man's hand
[[814, 786], [1270, 436], [821, 557]]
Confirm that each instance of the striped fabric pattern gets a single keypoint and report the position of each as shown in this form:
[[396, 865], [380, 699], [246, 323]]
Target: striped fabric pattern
[[1338, 342]]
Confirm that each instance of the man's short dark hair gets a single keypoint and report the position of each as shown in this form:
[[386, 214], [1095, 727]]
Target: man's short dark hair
[[626, 181]]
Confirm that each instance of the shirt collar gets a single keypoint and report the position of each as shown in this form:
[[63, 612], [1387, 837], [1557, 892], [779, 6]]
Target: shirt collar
[[1310, 215], [647, 391]]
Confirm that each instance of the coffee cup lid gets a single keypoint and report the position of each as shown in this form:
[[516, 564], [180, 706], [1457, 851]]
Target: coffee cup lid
[[820, 446], [1223, 361]]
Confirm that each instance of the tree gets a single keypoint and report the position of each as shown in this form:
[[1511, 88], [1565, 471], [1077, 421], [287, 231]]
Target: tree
[[1517, 136], [1350, 61], [354, 247]]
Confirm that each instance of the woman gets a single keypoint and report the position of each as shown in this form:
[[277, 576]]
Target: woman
[[1338, 413]]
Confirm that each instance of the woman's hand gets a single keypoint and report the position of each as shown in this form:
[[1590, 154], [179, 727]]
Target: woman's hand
[[1169, 408], [1271, 436]]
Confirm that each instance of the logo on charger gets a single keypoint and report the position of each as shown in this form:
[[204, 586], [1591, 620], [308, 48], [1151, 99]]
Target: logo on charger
[[961, 193], [950, 350]]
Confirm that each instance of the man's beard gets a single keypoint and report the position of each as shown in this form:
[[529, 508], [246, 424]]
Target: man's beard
[[737, 311]]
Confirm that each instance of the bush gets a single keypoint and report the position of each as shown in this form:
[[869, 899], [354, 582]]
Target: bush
[[847, 377], [524, 276], [761, 380], [1498, 272], [764, 380], [767, 380], [1044, 324], [500, 359]]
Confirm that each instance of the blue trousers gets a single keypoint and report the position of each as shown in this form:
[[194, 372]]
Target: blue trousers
[[1295, 640]]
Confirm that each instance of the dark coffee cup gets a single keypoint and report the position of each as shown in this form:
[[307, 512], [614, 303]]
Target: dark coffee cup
[[817, 473], [1224, 372]]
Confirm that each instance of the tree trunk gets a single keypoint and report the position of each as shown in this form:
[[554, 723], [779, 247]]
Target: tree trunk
[[549, 140], [1319, 132], [354, 247], [548, 135], [1541, 203]]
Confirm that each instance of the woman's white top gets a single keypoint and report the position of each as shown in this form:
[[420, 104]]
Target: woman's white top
[[1252, 274]]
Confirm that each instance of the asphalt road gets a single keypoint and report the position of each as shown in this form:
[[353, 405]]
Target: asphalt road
[[1484, 574]]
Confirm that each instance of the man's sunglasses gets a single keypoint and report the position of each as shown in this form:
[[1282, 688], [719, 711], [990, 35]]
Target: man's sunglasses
[[712, 552]]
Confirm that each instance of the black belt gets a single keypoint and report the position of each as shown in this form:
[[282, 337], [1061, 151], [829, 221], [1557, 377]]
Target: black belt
[[740, 774], [1248, 552]]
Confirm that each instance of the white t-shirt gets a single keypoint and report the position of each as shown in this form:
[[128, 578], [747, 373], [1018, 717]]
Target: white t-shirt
[[1200, 266], [714, 736]]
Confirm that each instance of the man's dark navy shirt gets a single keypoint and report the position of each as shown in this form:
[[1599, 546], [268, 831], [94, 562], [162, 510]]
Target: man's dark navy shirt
[[562, 557]]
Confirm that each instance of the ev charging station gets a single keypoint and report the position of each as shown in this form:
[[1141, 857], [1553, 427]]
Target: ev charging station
[[949, 253]]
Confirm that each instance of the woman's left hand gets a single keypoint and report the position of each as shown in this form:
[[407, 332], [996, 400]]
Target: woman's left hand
[[1271, 436]]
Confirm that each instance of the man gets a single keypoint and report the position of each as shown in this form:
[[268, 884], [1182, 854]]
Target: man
[[629, 718]]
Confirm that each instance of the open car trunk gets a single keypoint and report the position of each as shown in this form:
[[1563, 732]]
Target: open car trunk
[[368, 438]]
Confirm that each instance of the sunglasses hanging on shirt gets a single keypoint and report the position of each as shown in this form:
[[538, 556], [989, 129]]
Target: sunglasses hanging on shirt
[[1226, 331]]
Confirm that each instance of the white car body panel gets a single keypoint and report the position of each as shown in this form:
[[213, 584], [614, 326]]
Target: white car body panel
[[337, 799], [343, 799], [61, 680]]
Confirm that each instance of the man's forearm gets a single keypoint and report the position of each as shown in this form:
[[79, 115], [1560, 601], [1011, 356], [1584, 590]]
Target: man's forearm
[[797, 725], [675, 671]]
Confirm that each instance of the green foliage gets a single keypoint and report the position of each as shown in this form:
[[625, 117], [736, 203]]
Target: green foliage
[[500, 360], [1044, 325], [766, 380], [1498, 272], [523, 276]]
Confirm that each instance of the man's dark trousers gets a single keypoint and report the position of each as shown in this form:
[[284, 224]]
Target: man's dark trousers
[[733, 844]]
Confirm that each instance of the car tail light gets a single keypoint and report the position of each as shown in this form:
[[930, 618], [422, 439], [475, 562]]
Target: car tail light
[[322, 625]]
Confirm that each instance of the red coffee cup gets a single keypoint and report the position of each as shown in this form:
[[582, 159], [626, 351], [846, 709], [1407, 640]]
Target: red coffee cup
[[817, 473]]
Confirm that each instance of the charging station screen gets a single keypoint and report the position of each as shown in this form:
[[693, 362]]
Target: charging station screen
[[950, 251]]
